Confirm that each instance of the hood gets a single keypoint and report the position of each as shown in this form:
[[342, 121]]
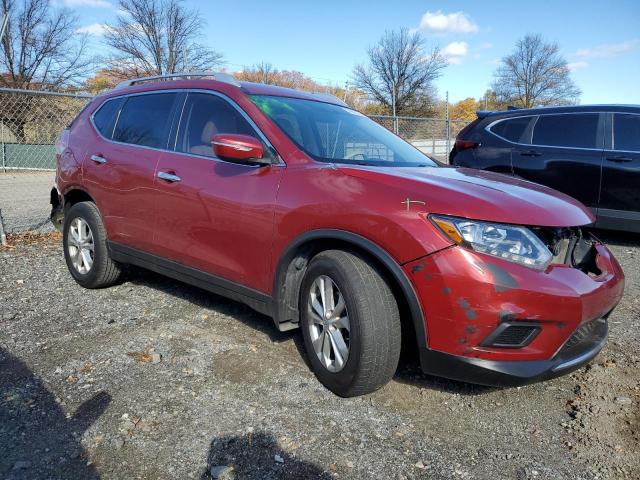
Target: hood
[[480, 195]]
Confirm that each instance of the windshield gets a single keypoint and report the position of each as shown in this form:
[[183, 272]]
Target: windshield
[[331, 133]]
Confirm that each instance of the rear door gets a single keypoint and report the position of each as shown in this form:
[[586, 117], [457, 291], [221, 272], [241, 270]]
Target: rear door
[[119, 167], [565, 153], [620, 198]]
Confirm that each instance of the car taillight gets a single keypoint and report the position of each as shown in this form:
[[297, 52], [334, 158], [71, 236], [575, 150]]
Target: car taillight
[[62, 142], [465, 144]]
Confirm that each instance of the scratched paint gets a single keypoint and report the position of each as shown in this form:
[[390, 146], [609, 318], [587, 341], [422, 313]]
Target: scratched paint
[[502, 280]]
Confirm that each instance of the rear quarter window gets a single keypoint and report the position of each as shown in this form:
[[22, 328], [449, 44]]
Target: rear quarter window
[[569, 130], [512, 129], [105, 117]]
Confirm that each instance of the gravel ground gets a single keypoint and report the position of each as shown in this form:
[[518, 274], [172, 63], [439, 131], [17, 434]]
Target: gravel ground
[[156, 379], [24, 200]]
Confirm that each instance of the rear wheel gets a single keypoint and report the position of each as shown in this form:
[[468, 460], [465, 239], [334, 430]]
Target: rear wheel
[[85, 247], [350, 323]]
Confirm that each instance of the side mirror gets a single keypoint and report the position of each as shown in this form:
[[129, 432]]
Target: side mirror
[[239, 148]]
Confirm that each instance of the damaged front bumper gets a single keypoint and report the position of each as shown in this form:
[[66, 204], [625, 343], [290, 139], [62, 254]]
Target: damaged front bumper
[[579, 350], [493, 322]]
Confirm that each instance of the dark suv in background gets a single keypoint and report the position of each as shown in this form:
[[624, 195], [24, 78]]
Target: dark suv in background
[[590, 152]]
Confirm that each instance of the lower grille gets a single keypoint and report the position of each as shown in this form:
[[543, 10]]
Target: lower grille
[[586, 333], [512, 335]]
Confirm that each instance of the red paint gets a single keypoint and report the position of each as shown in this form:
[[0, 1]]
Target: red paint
[[237, 147], [236, 221], [560, 298]]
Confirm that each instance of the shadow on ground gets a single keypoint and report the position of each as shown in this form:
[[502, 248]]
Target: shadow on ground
[[253, 456], [37, 440], [408, 370]]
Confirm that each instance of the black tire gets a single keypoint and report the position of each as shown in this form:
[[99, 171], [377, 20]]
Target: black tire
[[104, 272], [375, 332]]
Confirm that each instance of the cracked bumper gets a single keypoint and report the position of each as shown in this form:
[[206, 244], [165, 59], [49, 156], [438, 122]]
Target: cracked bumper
[[466, 296]]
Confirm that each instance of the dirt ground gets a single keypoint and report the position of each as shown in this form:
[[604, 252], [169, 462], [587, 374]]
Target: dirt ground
[[157, 379]]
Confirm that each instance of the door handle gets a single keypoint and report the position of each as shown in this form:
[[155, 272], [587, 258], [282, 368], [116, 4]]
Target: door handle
[[169, 177], [620, 159], [98, 159], [530, 153]]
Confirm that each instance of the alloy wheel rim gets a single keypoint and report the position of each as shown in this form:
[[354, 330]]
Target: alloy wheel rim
[[329, 328], [80, 246]]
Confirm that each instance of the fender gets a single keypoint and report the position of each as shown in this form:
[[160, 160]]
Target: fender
[[281, 310]]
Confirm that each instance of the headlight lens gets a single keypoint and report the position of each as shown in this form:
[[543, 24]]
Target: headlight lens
[[509, 242]]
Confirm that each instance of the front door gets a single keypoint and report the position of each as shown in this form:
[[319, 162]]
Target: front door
[[620, 198], [214, 215], [565, 153]]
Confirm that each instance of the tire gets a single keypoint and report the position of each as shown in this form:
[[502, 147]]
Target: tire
[[91, 266], [373, 338]]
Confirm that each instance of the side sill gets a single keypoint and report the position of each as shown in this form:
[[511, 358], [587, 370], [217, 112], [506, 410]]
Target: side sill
[[258, 301]]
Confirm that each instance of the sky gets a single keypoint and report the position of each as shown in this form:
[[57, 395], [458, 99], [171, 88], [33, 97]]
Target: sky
[[325, 39]]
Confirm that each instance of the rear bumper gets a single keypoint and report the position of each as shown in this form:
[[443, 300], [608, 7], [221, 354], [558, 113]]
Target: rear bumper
[[585, 344]]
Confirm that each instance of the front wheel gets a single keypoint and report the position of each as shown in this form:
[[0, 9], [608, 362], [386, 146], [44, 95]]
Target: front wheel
[[350, 323]]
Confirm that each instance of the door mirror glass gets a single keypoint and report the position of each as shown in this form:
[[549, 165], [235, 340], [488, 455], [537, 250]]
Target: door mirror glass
[[239, 148]]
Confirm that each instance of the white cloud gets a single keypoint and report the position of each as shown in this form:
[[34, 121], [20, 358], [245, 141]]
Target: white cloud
[[86, 3], [93, 29], [608, 50], [485, 46], [438, 22], [455, 52], [573, 66]]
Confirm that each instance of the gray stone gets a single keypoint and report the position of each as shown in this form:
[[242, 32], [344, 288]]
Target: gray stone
[[222, 472]]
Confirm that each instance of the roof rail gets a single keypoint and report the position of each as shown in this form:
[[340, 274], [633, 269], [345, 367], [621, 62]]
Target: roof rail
[[219, 76]]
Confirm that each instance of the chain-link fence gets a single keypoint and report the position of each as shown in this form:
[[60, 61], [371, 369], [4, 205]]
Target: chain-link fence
[[433, 136], [30, 122]]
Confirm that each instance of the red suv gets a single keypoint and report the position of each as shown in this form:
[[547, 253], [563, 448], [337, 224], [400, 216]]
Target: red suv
[[313, 214]]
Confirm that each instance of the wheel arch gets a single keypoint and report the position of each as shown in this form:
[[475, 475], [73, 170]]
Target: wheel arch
[[75, 195], [292, 266]]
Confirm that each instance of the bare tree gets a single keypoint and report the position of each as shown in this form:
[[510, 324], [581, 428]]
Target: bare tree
[[535, 74], [41, 49], [155, 37], [400, 72]]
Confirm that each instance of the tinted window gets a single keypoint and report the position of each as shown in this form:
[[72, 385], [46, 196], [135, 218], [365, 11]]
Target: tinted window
[[205, 115], [145, 120], [105, 117], [512, 129], [331, 133], [571, 130], [626, 132]]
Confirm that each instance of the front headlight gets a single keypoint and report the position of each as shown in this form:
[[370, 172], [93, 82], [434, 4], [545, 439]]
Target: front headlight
[[509, 242]]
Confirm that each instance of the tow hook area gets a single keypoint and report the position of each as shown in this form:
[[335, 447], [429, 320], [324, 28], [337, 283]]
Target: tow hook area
[[57, 211]]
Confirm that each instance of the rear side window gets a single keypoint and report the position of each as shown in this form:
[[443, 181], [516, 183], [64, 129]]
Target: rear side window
[[145, 120], [626, 132], [105, 117], [570, 130], [205, 115], [512, 129]]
